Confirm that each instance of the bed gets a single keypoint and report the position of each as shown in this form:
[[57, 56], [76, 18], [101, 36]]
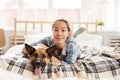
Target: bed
[[97, 62]]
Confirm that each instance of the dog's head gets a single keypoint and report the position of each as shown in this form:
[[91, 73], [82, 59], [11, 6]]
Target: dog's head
[[37, 56]]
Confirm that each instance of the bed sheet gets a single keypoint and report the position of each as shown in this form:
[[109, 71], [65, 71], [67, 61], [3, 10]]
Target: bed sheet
[[97, 63], [7, 75], [14, 76]]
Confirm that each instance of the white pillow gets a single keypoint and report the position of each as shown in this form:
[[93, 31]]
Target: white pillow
[[34, 36], [89, 39], [15, 50]]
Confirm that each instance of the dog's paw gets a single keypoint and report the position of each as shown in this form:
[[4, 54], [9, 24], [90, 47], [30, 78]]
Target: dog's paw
[[56, 61]]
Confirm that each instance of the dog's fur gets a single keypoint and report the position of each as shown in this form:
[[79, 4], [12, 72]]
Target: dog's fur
[[40, 56]]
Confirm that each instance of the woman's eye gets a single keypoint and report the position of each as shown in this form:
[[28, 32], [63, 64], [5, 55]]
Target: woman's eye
[[55, 30], [63, 30], [59, 30]]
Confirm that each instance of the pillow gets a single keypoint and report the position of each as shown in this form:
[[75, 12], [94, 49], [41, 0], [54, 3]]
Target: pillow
[[89, 39], [80, 30], [15, 50], [34, 36]]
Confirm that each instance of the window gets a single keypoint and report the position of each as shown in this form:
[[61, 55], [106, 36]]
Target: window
[[66, 4], [36, 4]]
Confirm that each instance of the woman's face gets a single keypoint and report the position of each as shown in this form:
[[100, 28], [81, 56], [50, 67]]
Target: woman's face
[[60, 32]]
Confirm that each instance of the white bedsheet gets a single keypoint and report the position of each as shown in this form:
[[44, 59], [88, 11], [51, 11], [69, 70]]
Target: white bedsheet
[[7, 75]]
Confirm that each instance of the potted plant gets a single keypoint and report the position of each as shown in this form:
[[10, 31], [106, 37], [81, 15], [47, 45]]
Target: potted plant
[[100, 23]]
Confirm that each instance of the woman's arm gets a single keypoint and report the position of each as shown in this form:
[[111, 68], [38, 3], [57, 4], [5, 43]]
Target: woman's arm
[[72, 53]]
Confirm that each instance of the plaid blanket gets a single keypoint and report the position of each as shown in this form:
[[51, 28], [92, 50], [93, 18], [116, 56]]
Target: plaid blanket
[[90, 68]]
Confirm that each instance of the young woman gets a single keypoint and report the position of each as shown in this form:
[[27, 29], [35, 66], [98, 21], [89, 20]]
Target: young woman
[[65, 45]]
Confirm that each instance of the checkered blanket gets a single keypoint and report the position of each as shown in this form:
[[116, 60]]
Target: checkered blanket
[[90, 68]]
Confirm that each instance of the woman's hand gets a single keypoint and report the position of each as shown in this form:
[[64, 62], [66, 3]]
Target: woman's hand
[[41, 46]]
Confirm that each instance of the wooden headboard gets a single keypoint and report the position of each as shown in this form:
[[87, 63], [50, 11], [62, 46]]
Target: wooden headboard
[[20, 39]]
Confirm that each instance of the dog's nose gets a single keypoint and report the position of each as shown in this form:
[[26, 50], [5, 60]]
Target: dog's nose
[[37, 63]]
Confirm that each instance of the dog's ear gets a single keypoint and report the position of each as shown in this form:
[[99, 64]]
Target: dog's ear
[[29, 49], [51, 51]]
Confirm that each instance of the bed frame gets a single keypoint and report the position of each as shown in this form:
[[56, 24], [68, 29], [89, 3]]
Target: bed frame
[[20, 39]]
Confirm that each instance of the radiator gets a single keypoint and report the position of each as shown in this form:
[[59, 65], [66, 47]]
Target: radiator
[[114, 41]]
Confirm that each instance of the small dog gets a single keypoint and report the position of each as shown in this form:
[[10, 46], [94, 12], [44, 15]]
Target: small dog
[[40, 56]]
